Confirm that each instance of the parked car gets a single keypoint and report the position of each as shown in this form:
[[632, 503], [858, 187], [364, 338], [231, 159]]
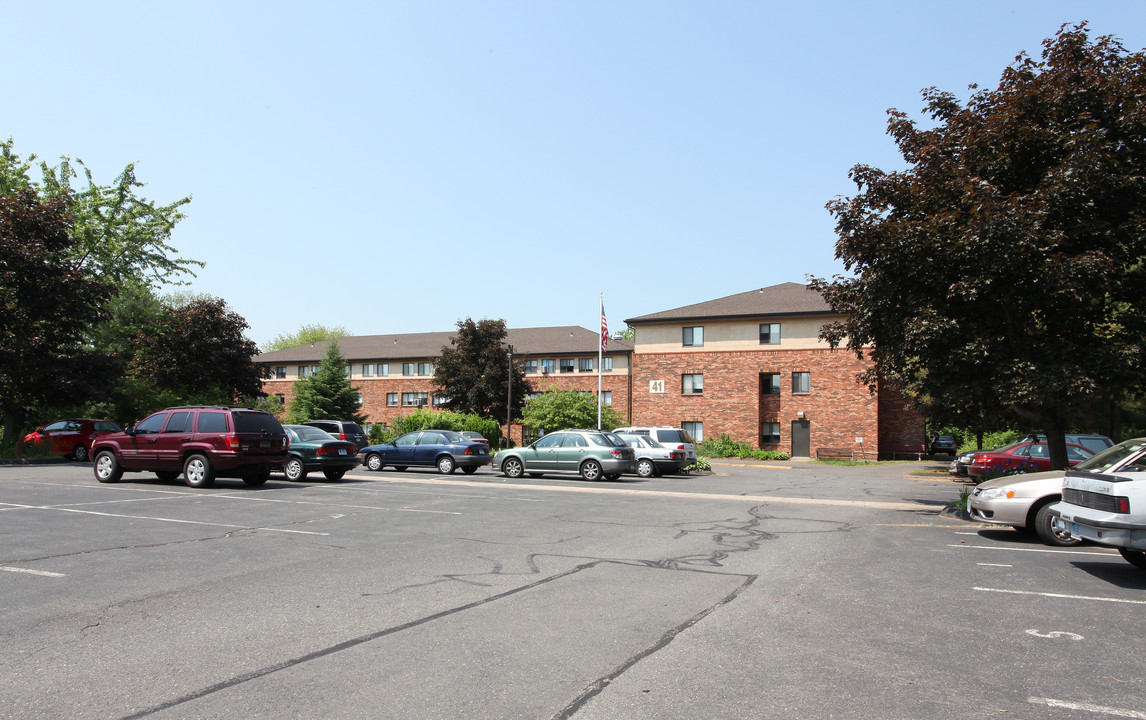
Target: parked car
[[443, 449], [475, 436], [343, 430], [593, 454], [653, 459], [71, 438], [671, 437], [314, 449], [1105, 502], [942, 444], [1021, 458], [1093, 443], [202, 442], [1022, 502], [959, 465]]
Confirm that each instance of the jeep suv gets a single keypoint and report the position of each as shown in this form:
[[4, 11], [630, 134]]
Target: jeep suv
[[202, 442], [343, 430]]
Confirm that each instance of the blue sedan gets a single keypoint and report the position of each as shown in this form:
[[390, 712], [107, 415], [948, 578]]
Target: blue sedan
[[441, 449]]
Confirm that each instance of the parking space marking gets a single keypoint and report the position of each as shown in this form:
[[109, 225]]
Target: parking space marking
[[1036, 550], [1087, 707], [994, 565], [42, 573], [1062, 595], [162, 519]]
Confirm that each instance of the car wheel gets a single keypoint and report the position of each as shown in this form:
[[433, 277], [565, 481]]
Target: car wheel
[[446, 465], [646, 468], [374, 462], [513, 468], [166, 475], [106, 467], [197, 472], [591, 470], [1137, 558], [1047, 533], [258, 477], [333, 474], [294, 469], [470, 470], [80, 453]]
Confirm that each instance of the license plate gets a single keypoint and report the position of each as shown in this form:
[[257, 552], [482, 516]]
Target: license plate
[[341, 451], [264, 443], [1074, 529]]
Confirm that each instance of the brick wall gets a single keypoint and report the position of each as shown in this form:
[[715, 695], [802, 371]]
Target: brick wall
[[901, 424]]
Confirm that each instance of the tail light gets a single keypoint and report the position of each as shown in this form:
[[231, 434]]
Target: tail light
[[231, 441], [469, 451], [1122, 505], [322, 451], [616, 453], [342, 436]]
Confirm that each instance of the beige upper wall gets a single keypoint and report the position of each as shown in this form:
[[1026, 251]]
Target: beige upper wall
[[732, 335]]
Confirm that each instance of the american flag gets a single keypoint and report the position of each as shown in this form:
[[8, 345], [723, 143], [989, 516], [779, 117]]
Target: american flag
[[604, 329]]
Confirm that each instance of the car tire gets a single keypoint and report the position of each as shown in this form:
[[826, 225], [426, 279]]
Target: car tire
[[374, 462], [333, 474], [446, 465], [513, 468], [258, 477], [166, 475], [1137, 558], [294, 469], [197, 471], [646, 468], [591, 470], [1047, 533], [106, 467], [80, 453], [470, 470]]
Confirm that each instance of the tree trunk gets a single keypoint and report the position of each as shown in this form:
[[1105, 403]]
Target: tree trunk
[[1056, 439]]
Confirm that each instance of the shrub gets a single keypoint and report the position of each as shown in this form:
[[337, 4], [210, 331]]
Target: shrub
[[724, 446], [443, 420]]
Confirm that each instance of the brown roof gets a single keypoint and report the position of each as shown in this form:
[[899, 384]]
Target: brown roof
[[570, 340], [783, 299]]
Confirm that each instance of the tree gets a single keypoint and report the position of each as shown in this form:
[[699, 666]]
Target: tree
[[474, 370], [561, 409], [1002, 270], [327, 393], [196, 351], [306, 335], [46, 305]]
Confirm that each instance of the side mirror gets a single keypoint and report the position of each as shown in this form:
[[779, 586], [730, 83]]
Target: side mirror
[[130, 430]]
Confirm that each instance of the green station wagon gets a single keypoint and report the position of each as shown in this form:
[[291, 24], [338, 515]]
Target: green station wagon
[[592, 454]]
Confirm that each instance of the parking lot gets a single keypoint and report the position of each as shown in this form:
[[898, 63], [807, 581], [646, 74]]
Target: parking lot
[[763, 590]]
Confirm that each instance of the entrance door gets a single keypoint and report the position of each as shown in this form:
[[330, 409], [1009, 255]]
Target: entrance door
[[801, 438]]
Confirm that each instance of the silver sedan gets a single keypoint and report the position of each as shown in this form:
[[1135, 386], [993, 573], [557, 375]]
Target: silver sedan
[[1021, 501]]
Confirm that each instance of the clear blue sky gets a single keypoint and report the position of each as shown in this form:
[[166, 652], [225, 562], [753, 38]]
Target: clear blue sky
[[394, 167]]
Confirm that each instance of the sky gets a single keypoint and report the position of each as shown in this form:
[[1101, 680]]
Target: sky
[[395, 167]]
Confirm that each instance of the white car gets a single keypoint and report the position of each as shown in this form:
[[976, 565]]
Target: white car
[[653, 459], [1106, 501], [671, 437], [1022, 502]]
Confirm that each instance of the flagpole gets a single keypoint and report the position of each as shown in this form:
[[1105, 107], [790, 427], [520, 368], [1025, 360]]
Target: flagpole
[[600, 356]]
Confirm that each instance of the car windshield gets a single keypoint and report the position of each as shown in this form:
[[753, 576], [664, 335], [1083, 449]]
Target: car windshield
[[1110, 457], [306, 433]]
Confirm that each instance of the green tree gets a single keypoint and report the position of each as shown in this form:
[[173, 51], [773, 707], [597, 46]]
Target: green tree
[[46, 305], [306, 335], [327, 394], [474, 370], [561, 409], [1002, 270]]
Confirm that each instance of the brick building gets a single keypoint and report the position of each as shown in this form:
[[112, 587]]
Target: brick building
[[752, 366], [394, 374]]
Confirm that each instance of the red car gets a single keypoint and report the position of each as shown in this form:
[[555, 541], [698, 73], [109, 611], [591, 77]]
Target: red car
[[71, 438], [1021, 458]]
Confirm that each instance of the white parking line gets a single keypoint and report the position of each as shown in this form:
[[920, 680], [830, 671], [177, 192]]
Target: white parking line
[[993, 565], [1061, 595], [42, 573], [163, 519], [1087, 707], [1038, 550]]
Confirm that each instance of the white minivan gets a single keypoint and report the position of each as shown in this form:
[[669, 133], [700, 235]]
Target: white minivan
[[670, 437]]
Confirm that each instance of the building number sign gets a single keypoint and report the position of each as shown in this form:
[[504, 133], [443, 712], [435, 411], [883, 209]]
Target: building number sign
[[656, 386]]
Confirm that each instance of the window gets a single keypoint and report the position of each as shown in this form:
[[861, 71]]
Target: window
[[606, 397], [408, 368], [440, 399], [530, 366], [281, 397], [548, 366], [425, 368], [692, 336], [585, 364], [303, 371], [695, 430], [770, 432], [607, 364], [566, 365], [358, 398], [383, 369], [415, 399], [769, 333], [770, 384], [692, 384], [367, 370], [392, 399], [801, 382], [348, 370], [280, 372], [179, 422], [211, 422]]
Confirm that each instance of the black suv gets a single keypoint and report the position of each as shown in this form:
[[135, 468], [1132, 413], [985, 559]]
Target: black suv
[[203, 442], [343, 430]]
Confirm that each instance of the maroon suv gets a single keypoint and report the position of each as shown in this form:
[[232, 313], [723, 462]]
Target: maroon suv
[[202, 442]]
